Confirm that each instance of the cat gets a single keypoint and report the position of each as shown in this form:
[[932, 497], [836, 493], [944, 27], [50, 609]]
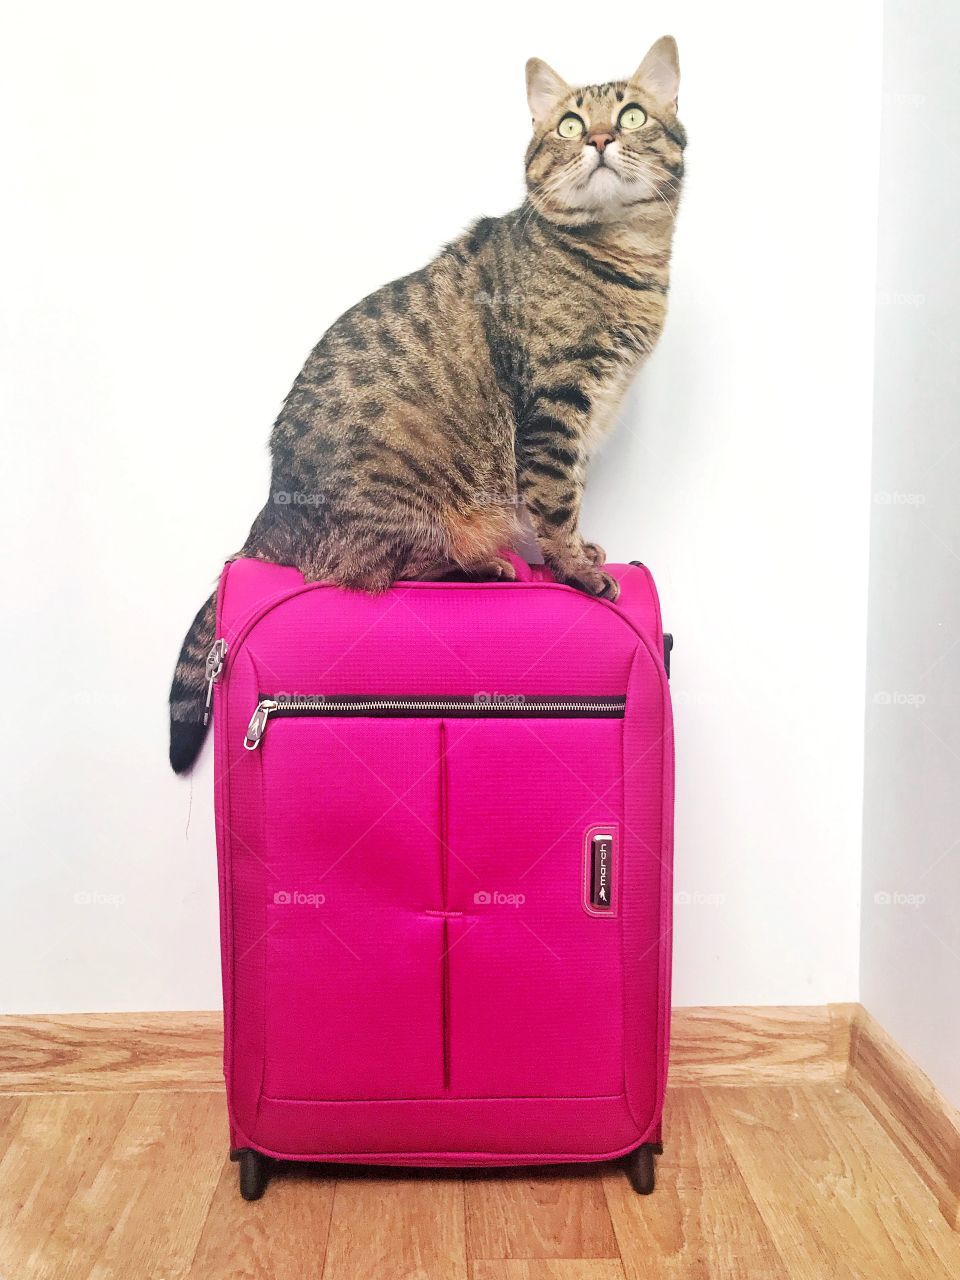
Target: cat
[[428, 411]]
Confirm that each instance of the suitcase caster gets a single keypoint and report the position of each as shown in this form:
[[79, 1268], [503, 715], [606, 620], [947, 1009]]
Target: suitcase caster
[[641, 1170], [253, 1172]]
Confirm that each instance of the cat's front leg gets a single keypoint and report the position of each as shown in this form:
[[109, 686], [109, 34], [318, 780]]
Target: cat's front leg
[[550, 474]]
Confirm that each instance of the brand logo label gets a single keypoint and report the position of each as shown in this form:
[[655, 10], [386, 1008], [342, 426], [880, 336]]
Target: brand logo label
[[601, 872]]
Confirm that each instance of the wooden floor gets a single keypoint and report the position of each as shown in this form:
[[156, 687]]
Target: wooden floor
[[755, 1182]]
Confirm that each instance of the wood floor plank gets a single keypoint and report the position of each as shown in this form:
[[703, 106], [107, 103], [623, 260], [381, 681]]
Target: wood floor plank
[[835, 1194], [52, 1147], [546, 1269], [545, 1213], [798, 1182], [909, 1107], [701, 1222], [408, 1227], [281, 1237], [142, 1211], [854, 1121], [9, 1112]]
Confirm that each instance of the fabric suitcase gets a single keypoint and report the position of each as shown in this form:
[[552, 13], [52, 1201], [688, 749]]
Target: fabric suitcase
[[444, 830]]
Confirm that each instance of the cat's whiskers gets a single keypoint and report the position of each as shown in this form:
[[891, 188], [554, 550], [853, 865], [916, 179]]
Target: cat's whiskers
[[646, 173], [545, 190]]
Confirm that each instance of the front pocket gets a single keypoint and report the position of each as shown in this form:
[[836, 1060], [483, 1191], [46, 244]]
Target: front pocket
[[536, 978], [354, 962], [427, 933]]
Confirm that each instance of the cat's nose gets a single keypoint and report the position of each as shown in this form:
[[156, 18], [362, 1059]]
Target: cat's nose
[[599, 139]]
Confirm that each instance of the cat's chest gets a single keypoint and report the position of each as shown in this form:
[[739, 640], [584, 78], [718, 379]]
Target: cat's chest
[[606, 396]]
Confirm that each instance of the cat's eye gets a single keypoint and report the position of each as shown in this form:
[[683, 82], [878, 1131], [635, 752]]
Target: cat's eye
[[632, 117], [571, 126]]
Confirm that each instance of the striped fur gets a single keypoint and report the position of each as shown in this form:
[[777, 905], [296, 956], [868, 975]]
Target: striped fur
[[431, 410]]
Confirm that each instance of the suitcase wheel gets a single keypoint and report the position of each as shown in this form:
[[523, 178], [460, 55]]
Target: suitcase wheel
[[640, 1169], [253, 1172]]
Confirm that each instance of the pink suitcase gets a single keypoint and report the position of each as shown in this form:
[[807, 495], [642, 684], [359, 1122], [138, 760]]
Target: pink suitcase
[[444, 825]]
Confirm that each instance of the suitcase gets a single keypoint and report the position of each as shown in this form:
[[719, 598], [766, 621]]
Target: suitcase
[[444, 829]]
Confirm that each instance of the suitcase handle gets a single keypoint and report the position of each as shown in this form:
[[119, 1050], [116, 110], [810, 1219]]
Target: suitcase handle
[[528, 572]]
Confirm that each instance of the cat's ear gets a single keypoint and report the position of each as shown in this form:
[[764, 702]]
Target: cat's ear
[[544, 88], [659, 72]]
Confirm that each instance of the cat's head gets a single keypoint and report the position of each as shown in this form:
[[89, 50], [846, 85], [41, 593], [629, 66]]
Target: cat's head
[[604, 152]]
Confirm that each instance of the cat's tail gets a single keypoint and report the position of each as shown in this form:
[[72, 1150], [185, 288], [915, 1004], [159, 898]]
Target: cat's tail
[[189, 689]]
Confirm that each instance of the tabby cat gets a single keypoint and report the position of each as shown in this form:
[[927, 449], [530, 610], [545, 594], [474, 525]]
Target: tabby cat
[[428, 411]]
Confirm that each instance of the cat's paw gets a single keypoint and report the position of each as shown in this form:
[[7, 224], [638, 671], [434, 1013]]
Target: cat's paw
[[595, 553], [610, 589], [496, 570], [594, 582]]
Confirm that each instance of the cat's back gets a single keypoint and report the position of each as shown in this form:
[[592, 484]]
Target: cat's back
[[420, 328]]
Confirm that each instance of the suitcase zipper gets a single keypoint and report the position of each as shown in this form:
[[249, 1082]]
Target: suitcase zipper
[[215, 660], [486, 707]]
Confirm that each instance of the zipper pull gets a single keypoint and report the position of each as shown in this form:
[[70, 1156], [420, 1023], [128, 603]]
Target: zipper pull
[[258, 722], [215, 660]]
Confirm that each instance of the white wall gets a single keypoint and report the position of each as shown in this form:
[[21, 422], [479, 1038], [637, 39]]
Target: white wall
[[193, 192], [911, 851]]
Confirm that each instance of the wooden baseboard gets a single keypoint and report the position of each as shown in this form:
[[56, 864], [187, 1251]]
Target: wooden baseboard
[[773, 1044], [138, 1052], [183, 1051], [915, 1115], [730, 1046]]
